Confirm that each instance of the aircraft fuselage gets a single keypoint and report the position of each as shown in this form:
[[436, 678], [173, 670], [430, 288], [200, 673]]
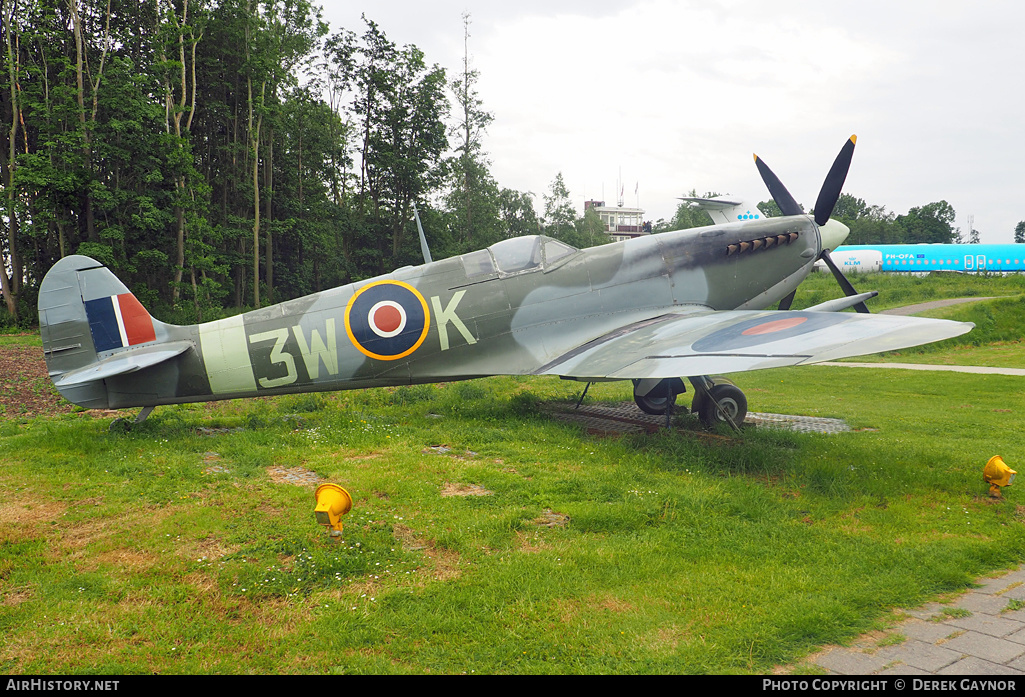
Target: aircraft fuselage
[[509, 309]]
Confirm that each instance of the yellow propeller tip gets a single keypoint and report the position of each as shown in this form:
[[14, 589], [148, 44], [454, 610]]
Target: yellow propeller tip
[[854, 139]]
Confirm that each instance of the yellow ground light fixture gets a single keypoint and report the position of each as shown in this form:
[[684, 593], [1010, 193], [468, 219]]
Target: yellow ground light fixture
[[997, 474], [332, 503]]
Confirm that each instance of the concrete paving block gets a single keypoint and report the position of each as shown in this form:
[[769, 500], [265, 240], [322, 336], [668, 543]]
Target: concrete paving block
[[1017, 637], [993, 585], [986, 647], [977, 601], [920, 654], [1016, 615], [903, 669], [848, 662], [926, 631], [927, 611], [1016, 592], [987, 624], [973, 665], [1002, 584]]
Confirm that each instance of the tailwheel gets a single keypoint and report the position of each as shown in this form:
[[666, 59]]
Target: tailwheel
[[657, 399], [719, 402]]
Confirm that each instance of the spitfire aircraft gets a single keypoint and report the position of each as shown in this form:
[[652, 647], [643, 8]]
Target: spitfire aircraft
[[652, 310]]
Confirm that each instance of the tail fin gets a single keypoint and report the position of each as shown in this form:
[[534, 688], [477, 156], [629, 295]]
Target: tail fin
[[725, 210], [88, 320]]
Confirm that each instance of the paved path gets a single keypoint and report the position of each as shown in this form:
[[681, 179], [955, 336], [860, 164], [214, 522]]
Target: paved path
[[932, 304], [980, 633], [925, 366]]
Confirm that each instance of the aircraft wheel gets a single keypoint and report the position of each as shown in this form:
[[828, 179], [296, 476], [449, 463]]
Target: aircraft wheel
[[119, 425], [697, 404], [732, 401], [656, 401]]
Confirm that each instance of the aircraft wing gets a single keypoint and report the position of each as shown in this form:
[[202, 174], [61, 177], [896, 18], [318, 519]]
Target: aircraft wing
[[710, 342]]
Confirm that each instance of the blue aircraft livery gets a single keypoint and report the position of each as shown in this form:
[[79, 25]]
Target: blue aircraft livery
[[922, 258]]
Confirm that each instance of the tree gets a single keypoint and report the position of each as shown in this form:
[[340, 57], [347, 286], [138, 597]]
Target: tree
[[931, 223], [590, 229], [687, 215], [475, 193], [517, 212], [559, 216], [180, 99], [9, 242], [868, 224], [280, 36], [770, 209], [1019, 232]]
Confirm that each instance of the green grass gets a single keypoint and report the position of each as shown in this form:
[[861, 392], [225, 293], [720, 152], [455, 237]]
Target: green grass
[[179, 548], [998, 339], [167, 550], [898, 290], [20, 339]]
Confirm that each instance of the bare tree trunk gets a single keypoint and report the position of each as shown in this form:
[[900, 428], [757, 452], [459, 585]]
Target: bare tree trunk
[[268, 184], [8, 286], [76, 23], [81, 67], [254, 144], [173, 112]]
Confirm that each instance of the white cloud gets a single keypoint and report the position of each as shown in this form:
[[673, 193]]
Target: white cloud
[[678, 95]]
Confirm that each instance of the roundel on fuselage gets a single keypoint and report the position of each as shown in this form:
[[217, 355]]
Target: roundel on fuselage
[[387, 320]]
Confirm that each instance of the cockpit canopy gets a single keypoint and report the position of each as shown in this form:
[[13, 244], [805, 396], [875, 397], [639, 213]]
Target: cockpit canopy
[[516, 255]]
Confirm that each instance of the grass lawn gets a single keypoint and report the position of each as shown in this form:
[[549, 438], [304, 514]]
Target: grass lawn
[[487, 537]]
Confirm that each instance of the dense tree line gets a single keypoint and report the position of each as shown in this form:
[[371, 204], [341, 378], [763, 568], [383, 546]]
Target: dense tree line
[[226, 154], [222, 154], [931, 223]]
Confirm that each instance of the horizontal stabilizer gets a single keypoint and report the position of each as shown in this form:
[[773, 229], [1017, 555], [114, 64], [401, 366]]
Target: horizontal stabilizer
[[121, 363]]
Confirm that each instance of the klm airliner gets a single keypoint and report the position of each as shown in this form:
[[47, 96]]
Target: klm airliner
[[921, 258]]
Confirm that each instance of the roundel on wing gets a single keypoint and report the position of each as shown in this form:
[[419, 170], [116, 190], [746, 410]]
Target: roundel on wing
[[387, 320], [761, 330]]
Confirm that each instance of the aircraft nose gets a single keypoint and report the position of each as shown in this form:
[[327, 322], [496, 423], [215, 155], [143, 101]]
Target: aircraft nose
[[833, 234]]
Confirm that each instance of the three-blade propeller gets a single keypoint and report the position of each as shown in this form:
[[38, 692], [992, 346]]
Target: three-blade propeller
[[829, 194]]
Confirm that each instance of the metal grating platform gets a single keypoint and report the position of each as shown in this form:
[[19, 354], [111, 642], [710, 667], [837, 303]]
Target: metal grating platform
[[625, 417]]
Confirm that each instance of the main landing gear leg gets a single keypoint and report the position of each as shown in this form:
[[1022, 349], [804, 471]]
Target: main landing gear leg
[[584, 394], [717, 400], [670, 402]]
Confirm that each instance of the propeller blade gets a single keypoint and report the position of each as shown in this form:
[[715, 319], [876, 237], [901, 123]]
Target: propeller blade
[[829, 194], [848, 289], [786, 302], [787, 204]]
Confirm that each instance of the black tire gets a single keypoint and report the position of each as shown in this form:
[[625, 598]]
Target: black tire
[[697, 404], [655, 402], [120, 426], [730, 398], [650, 404]]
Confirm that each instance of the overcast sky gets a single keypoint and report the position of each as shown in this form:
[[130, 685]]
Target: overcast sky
[[677, 95]]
